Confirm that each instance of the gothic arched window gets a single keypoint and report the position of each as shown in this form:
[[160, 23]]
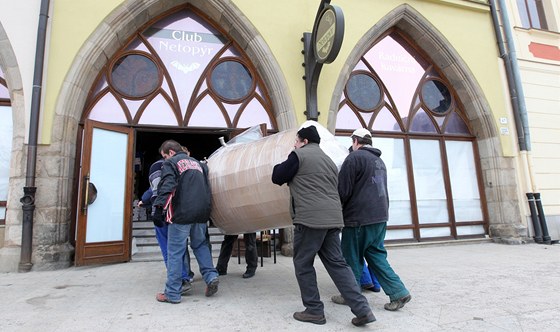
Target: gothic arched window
[[427, 145]]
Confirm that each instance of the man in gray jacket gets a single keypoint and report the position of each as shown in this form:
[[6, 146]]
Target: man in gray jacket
[[317, 217], [362, 186]]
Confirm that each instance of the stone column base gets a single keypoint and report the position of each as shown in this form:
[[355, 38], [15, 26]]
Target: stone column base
[[53, 257], [9, 259], [509, 234]]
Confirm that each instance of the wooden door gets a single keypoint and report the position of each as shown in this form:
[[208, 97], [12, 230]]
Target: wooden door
[[105, 196]]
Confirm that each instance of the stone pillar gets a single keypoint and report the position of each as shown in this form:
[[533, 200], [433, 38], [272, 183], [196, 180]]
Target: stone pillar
[[288, 242]]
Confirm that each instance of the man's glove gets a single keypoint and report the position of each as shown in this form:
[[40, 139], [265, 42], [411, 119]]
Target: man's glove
[[158, 217]]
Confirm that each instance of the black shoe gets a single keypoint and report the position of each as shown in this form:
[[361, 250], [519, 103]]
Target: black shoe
[[248, 274], [222, 272], [303, 316], [397, 304], [363, 320]]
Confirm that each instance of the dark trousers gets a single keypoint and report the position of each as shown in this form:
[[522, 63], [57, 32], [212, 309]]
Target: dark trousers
[[309, 242], [251, 257], [367, 242]]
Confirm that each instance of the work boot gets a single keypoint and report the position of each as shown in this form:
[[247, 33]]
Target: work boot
[[212, 287], [303, 316], [363, 320], [397, 304], [248, 274], [338, 299], [185, 287]]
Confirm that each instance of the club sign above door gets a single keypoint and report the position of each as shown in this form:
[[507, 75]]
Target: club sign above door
[[319, 47]]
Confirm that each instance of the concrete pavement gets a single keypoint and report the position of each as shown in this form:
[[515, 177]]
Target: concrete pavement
[[461, 287]]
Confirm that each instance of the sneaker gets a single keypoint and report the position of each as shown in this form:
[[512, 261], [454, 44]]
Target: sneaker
[[363, 320], [212, 287], [372, 289], [248, 274], [161, 297], [186, 287], [397, 304], [303, 316], [338, 299]]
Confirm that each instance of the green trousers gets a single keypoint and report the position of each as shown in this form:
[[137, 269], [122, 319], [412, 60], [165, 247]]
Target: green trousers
[[367, 242]]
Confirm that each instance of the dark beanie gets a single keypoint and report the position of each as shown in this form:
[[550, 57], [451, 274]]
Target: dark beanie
[[310, 133]]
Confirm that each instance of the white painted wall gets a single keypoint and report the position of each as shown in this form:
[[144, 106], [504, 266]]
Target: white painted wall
[[20, 20]]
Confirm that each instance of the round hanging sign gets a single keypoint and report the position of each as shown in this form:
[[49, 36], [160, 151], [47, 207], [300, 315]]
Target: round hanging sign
[[328, 34]]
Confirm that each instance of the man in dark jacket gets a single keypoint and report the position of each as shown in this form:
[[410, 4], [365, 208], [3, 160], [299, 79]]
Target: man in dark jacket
[[184, 201], [317, 217], [362, 186], [251, 256]]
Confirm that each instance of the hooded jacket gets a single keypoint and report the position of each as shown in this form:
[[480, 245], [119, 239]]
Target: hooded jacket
[[362, 186]]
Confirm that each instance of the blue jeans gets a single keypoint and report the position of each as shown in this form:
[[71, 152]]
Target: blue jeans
[[161, 236], [176, 246], [368, 278]]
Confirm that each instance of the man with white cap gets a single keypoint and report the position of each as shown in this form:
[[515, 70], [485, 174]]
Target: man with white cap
[[362, 186]]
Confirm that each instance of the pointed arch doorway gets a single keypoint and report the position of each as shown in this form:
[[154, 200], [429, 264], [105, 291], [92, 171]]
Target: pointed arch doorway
[[419, 124], [180, 75]]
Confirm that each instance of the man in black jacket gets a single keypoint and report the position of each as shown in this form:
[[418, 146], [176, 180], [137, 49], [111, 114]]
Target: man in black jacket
[[184, 201], [362, 186]]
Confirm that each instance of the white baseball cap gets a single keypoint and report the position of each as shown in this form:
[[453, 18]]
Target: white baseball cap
[[362, 132]]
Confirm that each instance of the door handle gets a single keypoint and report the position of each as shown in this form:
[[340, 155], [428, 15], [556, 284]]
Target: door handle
[[90, 194], [85, 195]]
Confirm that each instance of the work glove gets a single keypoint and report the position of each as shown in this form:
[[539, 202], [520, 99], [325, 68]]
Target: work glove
[[158, 217]]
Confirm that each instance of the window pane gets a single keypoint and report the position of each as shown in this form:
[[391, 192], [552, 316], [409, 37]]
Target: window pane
[[399, 234], [428, 179], [399, 71], [464, 184], [347, 119], [434, 232], [534, 14], [363, 91], [108, 110], [5, 149], [392, 154], [470, 230], [422, 123], [254, 114], [108, 173], [436, 96], [231, 80], [523, 14], [135, 75], [456, 125], [4, 93], [385, 121], [159, 112], [186, 45]]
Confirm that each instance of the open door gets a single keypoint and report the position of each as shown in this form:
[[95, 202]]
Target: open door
[[104, 206]]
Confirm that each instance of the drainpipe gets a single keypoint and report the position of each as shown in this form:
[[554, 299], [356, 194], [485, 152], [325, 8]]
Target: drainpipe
[[509, 55], [28, 199]]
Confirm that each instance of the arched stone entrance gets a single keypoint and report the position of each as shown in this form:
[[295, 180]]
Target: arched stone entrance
[[51, 247], [498, 171]]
